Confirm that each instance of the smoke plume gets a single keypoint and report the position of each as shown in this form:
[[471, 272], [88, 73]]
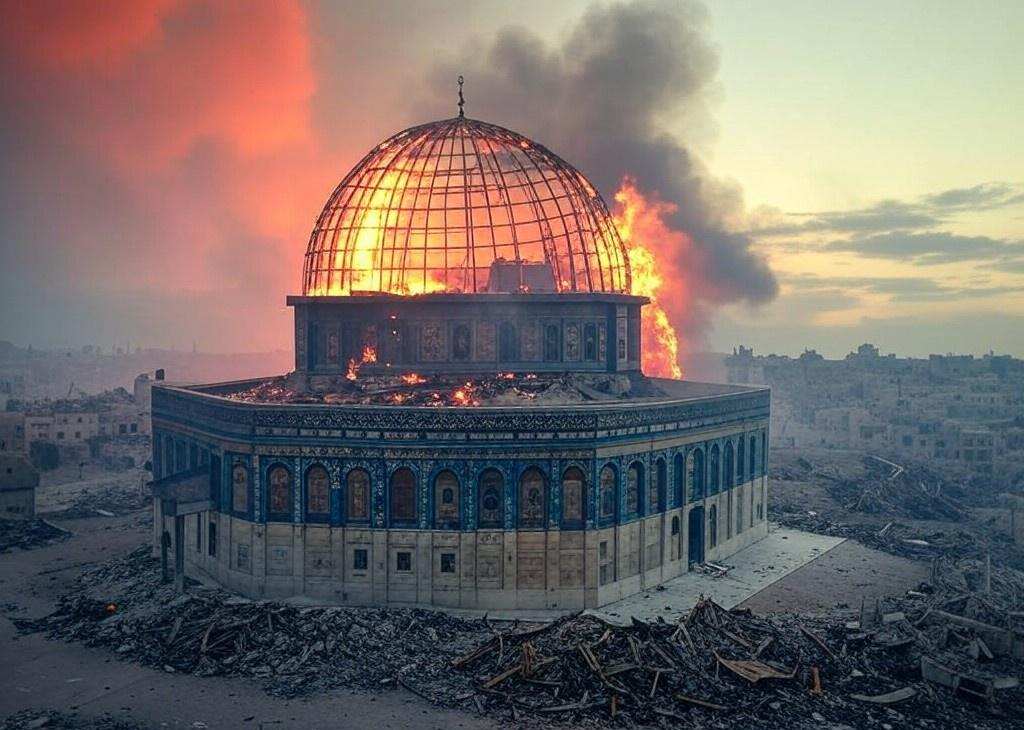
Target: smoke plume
[[602, 99]]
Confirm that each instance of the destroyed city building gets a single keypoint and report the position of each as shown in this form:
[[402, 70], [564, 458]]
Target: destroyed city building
[[962, 412], [467, 424]]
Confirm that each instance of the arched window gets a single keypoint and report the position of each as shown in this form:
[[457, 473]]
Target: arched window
[[279, 493], [573, 495], [552, 343], [240, 488], [572, 342], [357, 488], [460, 342], [508, 342], [590, 342], [728, 467], [446, 500], [491, 488], [403, 496], [695, 474], [607, 481], [764, 452], [678, 479], [753, 460], [532, 499], [660, 491], [318, 492], [713, 525], [715, 470], [634, 485], [675, 525], [169, 467], [740, 454]]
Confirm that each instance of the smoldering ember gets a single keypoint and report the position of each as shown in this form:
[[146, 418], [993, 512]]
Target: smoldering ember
[[479, 490]]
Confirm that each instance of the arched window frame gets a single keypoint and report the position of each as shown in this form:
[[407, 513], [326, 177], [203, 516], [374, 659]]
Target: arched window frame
[[678, 479], [574, 497], [635, 489], [658, 489], [508, 342], [279, 493], [552, 343], [753, 457], [728, 466], [402, 495], [697, 475], [740, 459], [358, 495], [312, 501], [447, 514], [714, 470], [607, 497], [240, 485], [532, 513], [486, 485]]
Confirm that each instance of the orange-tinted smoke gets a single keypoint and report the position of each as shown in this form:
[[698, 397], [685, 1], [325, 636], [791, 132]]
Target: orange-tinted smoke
[[653, 249]]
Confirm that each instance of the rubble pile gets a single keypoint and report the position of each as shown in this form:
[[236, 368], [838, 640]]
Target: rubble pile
[[948, 655], [732, 668], [52, 720], [291, 650], [437, 391], [112, 501], [28, 534], [892, 489]]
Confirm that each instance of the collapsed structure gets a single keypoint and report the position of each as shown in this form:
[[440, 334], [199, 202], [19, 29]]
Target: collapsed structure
[[467, 424]]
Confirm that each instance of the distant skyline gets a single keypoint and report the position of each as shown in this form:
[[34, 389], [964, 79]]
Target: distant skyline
[[165, 161]]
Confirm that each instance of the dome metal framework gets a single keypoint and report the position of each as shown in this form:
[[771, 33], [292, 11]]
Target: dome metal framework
[[453, 206]]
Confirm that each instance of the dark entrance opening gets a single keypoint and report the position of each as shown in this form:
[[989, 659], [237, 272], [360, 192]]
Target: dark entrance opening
[[696, 536]]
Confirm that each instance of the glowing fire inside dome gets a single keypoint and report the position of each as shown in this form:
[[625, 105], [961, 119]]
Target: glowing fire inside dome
[[433, 208]]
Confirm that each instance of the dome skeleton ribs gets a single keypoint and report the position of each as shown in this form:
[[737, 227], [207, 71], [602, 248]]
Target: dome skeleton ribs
[[433, 207]]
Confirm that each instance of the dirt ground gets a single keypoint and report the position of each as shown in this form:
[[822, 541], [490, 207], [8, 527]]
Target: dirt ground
[[36, 673], [839, 579]]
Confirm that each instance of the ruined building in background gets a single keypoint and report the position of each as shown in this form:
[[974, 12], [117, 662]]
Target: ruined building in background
[[467, 423], [961, 412]]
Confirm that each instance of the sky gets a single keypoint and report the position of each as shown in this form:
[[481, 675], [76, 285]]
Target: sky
[[835, 173]]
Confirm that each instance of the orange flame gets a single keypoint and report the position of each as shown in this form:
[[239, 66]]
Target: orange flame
[[413, 379], [369, 354], [644, 233]]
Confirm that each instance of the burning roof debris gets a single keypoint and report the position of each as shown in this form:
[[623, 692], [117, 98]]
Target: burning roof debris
[[436, 391]]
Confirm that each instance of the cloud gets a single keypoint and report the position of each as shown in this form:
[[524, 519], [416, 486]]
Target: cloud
[[930, 248], [899, 288], [925, 212], [599, 99], [986, 196]]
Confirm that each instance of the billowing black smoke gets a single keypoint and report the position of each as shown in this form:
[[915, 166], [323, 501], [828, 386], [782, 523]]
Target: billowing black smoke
[[601, 99]]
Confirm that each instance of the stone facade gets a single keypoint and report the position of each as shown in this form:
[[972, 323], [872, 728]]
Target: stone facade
[[557, 507], [469, 333], [18, 482]]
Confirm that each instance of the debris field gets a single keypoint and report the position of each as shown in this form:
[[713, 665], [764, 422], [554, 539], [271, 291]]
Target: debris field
[[946, 656]]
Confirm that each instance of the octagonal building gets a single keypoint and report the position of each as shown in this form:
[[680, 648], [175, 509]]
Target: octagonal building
[[467, 424]]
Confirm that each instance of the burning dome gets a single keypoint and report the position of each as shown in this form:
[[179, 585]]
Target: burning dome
[[463, 206]]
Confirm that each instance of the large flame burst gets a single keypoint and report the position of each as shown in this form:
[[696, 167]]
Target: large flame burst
[[642, 230]]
